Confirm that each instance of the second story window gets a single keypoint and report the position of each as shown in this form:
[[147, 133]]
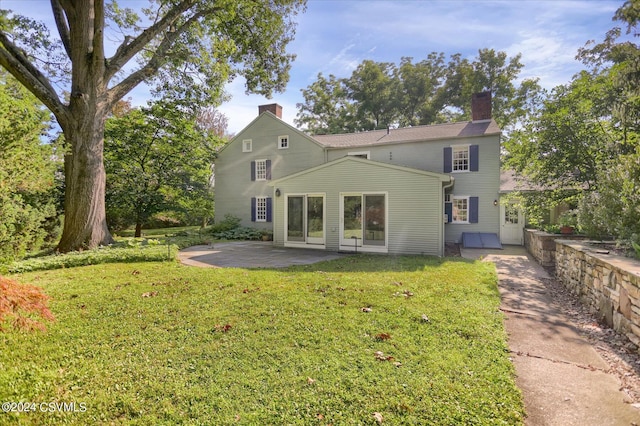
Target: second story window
[[283, 142], [261, 169], [247, 145], [460, 158]]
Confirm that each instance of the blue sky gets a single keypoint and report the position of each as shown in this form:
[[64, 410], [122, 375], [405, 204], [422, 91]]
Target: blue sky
[[334, 36]]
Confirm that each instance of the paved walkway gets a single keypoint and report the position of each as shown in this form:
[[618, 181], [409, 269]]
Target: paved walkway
[[562, 377], [251, 254]]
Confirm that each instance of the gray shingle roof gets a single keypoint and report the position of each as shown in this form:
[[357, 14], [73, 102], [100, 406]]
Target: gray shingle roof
[[409, 134]]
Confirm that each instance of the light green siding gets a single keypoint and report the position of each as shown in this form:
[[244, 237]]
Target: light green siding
[[429, 156], [233, 186], [414, 199]]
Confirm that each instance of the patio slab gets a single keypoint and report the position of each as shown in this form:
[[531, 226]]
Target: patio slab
[[251, 254]]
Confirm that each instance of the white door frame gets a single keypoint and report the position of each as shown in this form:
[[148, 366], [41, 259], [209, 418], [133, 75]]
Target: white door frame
[[511, 233]]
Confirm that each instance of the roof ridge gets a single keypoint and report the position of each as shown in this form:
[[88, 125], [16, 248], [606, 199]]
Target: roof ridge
[[396, 129]]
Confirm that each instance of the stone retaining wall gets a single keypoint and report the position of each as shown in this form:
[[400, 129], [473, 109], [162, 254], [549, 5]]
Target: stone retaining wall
[[542, 245], [608, 284]]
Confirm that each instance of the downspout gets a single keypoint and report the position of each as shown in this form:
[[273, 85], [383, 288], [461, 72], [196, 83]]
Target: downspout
[[444, 189]]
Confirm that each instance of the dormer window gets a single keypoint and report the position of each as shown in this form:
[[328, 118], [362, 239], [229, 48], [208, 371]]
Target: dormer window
[[283, 142], [247, 145]]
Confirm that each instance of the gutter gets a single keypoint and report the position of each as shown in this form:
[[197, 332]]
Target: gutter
[[444, 188]]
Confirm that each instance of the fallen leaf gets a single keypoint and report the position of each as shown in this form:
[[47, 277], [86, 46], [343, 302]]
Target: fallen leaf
[[397, 364], [150, 294], [380, 356], [319, 416], [310, 381], [378, 417], [366, 309], [135, 272], [382, 336], [425, 318]]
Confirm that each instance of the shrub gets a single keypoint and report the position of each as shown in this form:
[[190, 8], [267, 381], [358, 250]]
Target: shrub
[[240, 234], [229, 223], [23, 306]]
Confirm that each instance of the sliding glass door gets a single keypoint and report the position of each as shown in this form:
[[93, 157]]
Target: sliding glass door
[[363, 220], [305, 219]]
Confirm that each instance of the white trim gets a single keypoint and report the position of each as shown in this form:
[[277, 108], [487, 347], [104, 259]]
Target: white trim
[[247, 145], [264, 160], [453, 150], [453, 201], [306, 242], [360, 154], [262, 200], [280, 139], [361, 246]]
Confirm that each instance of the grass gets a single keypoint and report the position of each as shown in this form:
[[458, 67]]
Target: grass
[[161, 343]]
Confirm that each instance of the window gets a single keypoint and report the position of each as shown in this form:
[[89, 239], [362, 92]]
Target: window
[[261, 169], [460, 210], [247, 145], [460, 158], [364, 219], [261, 209], [510, 214], [283, 142], [361, 154]]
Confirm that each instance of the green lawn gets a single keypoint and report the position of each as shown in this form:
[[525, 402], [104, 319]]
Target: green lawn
[[160, 343]]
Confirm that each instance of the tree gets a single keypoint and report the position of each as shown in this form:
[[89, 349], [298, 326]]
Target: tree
[[326, 108], [157, 158], [421, 92], [200, 43], [373, 86], [27, 190], [380, 94]]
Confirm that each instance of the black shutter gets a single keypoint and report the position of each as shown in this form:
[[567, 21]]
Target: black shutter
[[269, 207], [253, 209], [253, 170], [473, 209], [473, 158], [447, 159], [448, 210]]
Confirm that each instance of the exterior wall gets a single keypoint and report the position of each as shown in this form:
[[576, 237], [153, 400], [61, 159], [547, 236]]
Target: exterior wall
[[542, 245], [234, 187], [429, 156], [414, 222], [609, 285]]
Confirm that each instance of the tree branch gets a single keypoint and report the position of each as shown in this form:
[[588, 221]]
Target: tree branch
[[156, 61], [126, 51], [12, 58], [62, 24]]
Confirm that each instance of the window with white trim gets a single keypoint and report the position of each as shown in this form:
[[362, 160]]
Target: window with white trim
[[460, 209], [261, 169], [283, 142], [247, 145], [460, 161], [261, 209]]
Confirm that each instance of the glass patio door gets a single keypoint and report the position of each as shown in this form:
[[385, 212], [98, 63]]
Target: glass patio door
[[363, 220], [305, 219]]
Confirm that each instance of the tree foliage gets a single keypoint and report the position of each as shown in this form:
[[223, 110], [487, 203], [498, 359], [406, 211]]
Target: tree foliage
[[186, 48], [27, 186], [585, 136], [381, 94], [158, 158]]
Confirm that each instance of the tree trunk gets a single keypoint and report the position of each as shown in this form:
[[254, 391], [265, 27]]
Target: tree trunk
[[138, 233], [85, 223]]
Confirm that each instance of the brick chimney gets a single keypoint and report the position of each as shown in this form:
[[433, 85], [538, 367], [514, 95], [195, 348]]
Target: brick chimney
[[481, 106], [274, 109]]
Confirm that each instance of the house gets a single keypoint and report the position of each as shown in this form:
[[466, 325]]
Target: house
[[397, 191]]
